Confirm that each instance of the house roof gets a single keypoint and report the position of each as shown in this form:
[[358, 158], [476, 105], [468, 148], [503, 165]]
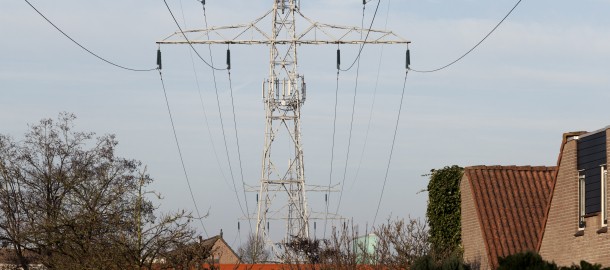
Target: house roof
[[511, 204], [210, 242]]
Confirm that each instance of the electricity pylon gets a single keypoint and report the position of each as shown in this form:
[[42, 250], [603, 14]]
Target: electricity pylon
[[284, 93]]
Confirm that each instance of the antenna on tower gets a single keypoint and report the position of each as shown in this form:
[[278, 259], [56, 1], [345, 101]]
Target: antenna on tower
[[282, 188]]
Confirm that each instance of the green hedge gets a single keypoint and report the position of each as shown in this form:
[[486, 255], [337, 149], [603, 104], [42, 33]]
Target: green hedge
[[533, 261]]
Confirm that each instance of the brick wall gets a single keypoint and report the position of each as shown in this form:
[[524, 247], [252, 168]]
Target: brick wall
[[559, 242], [472, 235], [223, 253]]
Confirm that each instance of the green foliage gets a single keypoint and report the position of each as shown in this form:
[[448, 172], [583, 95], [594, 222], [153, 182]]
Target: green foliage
[[453, 262], [443, 211], [585, 266], [532, 261], [526, 261]]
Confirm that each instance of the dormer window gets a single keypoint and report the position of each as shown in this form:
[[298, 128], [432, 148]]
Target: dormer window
[[604, 195], [581, 201], [591, 179]]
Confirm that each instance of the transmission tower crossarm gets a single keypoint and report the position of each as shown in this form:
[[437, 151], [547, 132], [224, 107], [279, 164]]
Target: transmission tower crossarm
[[282, 179], [310, 188], [229, 34], [330, 34], [343, 35]]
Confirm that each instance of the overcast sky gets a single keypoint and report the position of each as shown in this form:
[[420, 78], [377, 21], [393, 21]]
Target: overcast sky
[[542, 73]]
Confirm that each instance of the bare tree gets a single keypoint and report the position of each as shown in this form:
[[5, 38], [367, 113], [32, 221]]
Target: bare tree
[[191, 255], [401, 243], [339, 251], [254, 251], [66, 197], [397, 244], [303, 250]]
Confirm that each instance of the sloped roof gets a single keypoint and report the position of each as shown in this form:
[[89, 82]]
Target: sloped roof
[[511, 204], [210, 242]]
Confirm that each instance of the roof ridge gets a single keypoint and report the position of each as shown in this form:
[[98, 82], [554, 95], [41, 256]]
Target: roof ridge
[[513, 167]]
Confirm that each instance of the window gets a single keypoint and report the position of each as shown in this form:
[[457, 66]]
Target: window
[[604, 186], [581, 201], [591, 154]]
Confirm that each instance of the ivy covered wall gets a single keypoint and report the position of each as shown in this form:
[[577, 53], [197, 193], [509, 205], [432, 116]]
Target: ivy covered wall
[[443, 211]]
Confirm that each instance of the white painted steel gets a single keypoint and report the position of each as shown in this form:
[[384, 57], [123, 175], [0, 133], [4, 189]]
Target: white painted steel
[[283, 96]]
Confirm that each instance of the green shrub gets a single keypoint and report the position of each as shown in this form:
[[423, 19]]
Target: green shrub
[[526, 261], [532, 261], [428, 262]]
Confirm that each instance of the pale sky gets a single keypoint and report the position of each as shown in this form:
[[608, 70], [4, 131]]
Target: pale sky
[[542, 73]]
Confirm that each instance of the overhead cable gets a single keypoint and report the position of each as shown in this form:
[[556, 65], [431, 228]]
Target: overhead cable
[[222, 126], [368, 126], [351, 123], [187, 40], [365, 38], [241, 171], [474, 47], [203, 109], [332, 151], [188, 182], [83, 47], [385, 178], [205, 17]]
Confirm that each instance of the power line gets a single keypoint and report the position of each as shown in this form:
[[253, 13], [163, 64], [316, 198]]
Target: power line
[[222, 126], [385, 178], [187, 40], [205, 116], [351, 123], [241, 171], [368, 126], [475, 46], [205, 18], [357, 60], [188, 182], [365, 38], [332, 154], [83, 47]]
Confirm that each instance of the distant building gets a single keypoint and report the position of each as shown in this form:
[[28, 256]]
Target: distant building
[[209, 252], [365, 247], [222, 253], [560, 212]]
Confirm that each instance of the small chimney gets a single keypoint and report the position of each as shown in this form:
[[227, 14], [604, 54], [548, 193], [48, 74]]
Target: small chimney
[[220, 233], [200, 239]]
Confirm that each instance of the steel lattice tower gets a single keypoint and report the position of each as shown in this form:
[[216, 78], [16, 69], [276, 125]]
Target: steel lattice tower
[[284, 93]]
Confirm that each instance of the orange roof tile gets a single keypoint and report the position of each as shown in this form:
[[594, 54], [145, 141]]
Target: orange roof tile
[[511, 203]]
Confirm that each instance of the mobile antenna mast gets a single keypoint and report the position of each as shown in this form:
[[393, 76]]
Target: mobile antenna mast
[[284, 93]]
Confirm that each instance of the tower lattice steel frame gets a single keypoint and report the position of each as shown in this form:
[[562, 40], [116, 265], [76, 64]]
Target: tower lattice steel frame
[[284, 93]]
